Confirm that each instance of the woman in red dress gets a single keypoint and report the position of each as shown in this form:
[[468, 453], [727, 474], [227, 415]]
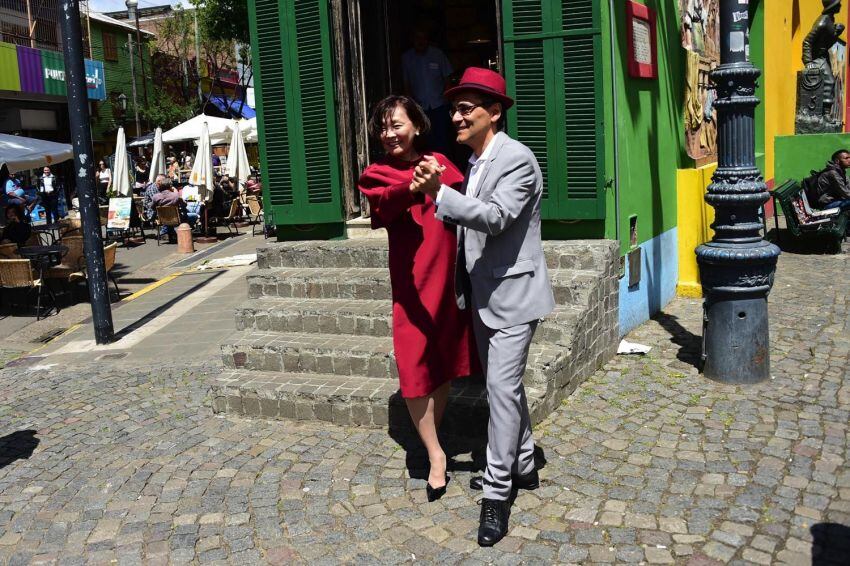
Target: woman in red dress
[[432, 337]]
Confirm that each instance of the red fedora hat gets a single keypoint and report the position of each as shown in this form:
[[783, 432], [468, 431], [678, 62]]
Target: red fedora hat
[[483, 81]]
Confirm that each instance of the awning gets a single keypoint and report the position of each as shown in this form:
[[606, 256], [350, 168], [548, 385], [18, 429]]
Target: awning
[[230, 106], [190, 130], [19, 153]]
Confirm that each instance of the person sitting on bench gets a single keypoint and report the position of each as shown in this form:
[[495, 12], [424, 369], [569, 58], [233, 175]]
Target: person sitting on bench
[[833, 188]]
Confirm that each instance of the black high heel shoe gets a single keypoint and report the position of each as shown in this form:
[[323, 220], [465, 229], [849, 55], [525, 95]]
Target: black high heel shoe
[[435, 493]]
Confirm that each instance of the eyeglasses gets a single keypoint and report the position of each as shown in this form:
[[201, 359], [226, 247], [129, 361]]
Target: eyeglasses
[[464, 109]]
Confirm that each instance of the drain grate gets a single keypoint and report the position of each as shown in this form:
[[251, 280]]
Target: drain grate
[[45, 338]]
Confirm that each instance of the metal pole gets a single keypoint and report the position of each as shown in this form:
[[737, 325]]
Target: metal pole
[[737, 265], [141, 58], [133, 75], [30, 25], [78, 110]]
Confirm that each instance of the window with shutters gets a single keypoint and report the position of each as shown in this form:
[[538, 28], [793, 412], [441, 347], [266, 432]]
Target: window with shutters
[[295, 93], [110, 47], [553, 55]]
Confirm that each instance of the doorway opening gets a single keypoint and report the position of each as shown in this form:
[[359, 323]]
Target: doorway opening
[[467, 32]]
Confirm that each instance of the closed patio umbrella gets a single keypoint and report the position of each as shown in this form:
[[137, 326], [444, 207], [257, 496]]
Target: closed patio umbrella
[[237, 158], [202, 175], [158, 159], [121, 179]]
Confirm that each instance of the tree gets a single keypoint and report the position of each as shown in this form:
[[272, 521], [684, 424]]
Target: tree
[[224, 19]]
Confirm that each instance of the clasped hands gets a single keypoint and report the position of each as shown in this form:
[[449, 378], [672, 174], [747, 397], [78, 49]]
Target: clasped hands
[[426, 177]]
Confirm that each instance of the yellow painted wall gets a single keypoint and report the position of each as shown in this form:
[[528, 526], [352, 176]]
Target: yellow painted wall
[[786, 24], [694, 219]]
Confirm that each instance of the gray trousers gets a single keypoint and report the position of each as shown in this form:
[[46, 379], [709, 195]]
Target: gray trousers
[[510, 447]]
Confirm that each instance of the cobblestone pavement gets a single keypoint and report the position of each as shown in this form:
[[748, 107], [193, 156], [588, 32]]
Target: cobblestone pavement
[[646, 462]]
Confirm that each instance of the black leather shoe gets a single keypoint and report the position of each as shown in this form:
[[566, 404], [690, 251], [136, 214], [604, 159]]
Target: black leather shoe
[[529, 481], [493, 525], [434, 493]]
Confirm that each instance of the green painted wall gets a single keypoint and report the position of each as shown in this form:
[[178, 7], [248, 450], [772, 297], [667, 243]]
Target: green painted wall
[[649, 130], [796, 156], [118, 80]]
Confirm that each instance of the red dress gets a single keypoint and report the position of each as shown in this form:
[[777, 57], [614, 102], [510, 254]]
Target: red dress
[[432, 337]]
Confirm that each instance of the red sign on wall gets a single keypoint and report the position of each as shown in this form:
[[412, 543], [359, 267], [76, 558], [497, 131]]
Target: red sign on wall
[[641, 37]]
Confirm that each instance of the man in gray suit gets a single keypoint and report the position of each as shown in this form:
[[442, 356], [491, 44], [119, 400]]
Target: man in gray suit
[[501, 274]]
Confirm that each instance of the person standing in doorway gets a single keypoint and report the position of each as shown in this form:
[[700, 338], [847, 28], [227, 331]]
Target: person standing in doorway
[[500, 275], [49, 186], [426, 69]]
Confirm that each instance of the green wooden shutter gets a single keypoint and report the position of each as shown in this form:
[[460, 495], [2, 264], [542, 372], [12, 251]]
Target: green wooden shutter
[[553, 62], [297, 125]]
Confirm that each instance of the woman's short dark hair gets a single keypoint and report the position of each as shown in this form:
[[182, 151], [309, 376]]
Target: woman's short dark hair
[[17, 209], [384, 110]]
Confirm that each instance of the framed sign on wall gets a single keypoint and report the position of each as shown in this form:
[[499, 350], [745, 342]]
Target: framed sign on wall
[[641, 36]]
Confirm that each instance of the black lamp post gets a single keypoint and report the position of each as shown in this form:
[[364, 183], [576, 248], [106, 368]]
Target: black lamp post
[[80, 129], [122, 104], [737, 266]]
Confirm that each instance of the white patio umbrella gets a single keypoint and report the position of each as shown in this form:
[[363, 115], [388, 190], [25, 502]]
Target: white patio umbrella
[[121, 179], [202, 175], [249, 130], [19, 153], [237, 158], [158, 159]]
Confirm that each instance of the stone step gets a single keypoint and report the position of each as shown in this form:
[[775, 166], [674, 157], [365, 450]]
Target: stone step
[[592, 255], [345, 355], [569, 286], [361, 318], [345, 400]]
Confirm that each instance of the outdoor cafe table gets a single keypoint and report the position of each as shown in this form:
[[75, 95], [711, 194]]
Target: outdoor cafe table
[[43, 257], [53, 230]]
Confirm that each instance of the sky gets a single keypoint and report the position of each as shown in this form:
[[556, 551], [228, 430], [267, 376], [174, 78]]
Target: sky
[[115, 5]]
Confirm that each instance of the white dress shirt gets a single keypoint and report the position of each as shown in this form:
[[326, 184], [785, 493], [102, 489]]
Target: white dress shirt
[[478, 163], [48, 183]]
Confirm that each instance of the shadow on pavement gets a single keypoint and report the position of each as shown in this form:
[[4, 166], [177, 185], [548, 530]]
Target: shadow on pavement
[[17, 446], [690, 344], [830, 544]]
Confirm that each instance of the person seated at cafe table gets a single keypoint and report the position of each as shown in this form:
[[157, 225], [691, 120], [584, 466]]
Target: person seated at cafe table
[[167, 196], [15, 193], [253, 186], [17, 231]]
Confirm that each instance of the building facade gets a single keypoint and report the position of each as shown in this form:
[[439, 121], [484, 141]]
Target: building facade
[[32, 76], [599, 88]]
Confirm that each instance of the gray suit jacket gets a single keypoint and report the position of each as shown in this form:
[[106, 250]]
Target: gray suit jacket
[[500, 257]]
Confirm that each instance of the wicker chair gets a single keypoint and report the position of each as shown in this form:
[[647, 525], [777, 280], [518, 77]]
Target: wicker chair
[[71, 263], [9, 251], [255, 212], [229, 221], [166, 216], [109, 262], [70, 227], [17, 274]]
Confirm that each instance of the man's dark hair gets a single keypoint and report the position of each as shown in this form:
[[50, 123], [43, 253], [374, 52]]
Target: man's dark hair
[[385, 108], [487, 101], [837, 154]]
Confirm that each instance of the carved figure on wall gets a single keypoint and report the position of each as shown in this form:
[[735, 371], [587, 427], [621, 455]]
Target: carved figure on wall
[[700, 35], [816, 92]]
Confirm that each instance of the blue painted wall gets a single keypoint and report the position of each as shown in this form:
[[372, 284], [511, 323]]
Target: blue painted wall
[[659, 273]]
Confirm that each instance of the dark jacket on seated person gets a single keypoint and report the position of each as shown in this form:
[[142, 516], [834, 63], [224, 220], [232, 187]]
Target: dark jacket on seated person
[[832, 185]]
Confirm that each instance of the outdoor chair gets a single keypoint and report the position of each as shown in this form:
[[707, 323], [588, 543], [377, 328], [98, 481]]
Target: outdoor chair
[[166, 216], [17, 274], [229, 221], [255, 212], [70, 227], [72, 262], [9, 251], [109, 253]]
